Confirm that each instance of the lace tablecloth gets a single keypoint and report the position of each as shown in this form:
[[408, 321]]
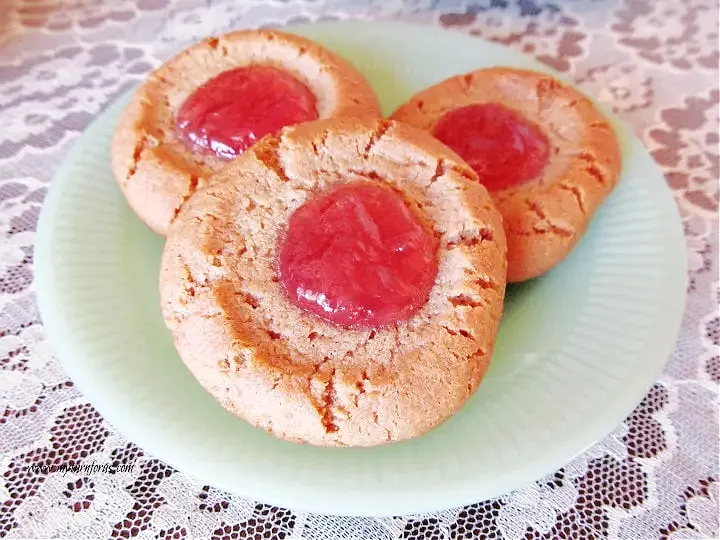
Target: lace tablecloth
[[655, 62]]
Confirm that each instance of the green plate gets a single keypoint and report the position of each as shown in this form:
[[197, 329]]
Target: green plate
[[577, 350]]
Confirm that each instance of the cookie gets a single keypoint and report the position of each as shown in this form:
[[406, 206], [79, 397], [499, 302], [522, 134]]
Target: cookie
[[376, 329], [212, 101], [546, 154]]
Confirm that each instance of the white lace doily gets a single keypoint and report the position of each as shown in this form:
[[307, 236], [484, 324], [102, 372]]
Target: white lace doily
[[655, 62]]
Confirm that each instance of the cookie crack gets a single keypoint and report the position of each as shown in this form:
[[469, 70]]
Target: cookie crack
[[395, 351], [248, 299], [360, 386], [476, 358], [192, 284], [586, 156], [440, 169], [450, 330], [370, 175], [485, 282], [552, 228], [480, 352], [592, 167], [465, 173], [192, 188], [466, 334], [464, 300], [328, 405], [459, 331], [573, 103], [269, 155], [160, 78], [467, 82], [577, 193], [484, 234], [140, 147], [597, 173], [239, 361], [320, 143], [535, 208], [544, 91], [376, 135]]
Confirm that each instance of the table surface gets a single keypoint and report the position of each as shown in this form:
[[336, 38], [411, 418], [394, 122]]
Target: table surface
[[654, 62]]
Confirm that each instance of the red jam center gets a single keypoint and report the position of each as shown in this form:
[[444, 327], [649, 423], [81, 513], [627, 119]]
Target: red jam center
[[227, 114], [503, 148], [357, 257]]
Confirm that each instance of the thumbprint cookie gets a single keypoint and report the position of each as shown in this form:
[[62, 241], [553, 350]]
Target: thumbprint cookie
[[548, 157], [340, 283], [212, 101]]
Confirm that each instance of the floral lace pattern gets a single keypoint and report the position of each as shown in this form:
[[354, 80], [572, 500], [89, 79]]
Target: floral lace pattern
[[654, 62]]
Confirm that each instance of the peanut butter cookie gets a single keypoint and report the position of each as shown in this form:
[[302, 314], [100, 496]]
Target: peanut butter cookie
[[214, 100], [546, 154], [340, 283]]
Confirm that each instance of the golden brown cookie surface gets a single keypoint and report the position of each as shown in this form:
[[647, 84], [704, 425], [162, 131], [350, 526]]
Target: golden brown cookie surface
[[157, 170], [546, 215], [295, 374]]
